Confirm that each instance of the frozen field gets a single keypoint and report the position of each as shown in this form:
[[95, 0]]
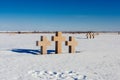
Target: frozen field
[[95, 59]]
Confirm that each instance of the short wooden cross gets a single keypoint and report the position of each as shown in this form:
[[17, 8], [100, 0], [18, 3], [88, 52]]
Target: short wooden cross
[[87, 35], [58, 41], [43, 44], [93, 35], [72, 44]]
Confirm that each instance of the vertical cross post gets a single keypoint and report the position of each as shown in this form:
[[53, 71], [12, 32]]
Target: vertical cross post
[[58, 38], [72, 44], [43, 44]]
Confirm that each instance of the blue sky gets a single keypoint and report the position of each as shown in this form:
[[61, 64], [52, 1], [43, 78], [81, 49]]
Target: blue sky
[[59, 15]]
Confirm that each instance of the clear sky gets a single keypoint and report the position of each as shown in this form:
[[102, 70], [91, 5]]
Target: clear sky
[[59, 15]]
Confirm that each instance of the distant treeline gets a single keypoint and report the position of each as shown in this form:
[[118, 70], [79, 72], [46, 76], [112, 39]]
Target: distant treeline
[[70, 32]]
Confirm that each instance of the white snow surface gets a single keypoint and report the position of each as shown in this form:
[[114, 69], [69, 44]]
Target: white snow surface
[[95, 59]]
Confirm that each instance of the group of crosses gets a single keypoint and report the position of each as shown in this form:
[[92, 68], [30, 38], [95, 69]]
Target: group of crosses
[[90, 35], [59, 39]]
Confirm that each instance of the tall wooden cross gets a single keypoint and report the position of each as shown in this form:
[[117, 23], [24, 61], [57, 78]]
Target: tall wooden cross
[[58, 41], [43, 44], [72, 44]]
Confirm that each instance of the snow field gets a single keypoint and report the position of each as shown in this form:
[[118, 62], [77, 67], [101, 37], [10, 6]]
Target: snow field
[[96, 59]]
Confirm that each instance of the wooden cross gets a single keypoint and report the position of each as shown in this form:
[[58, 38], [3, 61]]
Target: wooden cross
[[58, 41], [71, 43], [43, 43], [87, 35], [93, 35], [90, 35]]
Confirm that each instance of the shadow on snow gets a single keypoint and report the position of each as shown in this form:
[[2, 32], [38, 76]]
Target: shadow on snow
[[31, 51], [80, 38]]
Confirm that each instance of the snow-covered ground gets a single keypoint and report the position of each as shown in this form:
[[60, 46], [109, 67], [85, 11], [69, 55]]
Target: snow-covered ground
[[95, 59]]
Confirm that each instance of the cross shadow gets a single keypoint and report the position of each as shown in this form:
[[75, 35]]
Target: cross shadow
[[80, 38], [31, 51]]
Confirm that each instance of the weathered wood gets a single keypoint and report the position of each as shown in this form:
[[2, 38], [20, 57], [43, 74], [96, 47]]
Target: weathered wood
[[43, 44], [58, 38], [72, 43]]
